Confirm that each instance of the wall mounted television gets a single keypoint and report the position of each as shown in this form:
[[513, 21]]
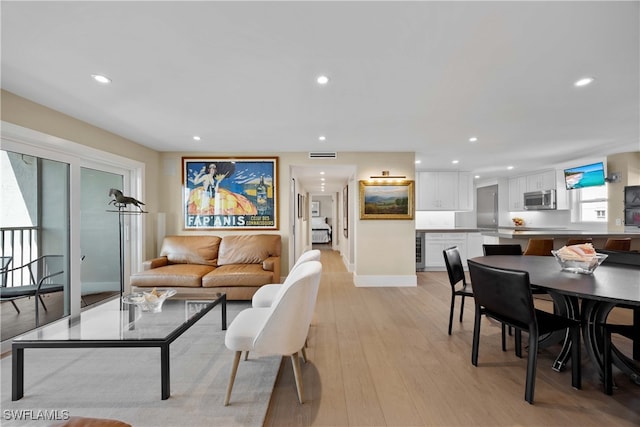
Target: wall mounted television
[[584, 176]]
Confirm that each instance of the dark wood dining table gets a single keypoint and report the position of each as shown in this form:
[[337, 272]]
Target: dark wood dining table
[[587, 297]]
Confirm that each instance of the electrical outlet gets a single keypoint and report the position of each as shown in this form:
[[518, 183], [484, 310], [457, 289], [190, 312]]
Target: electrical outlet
[[618, 221]]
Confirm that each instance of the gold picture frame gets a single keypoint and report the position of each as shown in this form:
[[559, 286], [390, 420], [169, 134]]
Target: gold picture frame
[[386, 200]]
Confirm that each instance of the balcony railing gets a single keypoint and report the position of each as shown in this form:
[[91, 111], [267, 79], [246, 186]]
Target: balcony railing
[[20, 245]]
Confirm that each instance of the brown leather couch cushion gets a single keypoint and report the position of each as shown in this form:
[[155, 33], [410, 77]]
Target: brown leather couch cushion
[[248, 249], [191, 249], [238, 275], [185, 275]]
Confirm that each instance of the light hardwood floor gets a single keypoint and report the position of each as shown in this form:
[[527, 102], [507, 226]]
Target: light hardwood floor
[[382, 357]]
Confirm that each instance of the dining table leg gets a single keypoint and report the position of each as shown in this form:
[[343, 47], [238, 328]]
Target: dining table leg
[[567, 306], [595, 314]]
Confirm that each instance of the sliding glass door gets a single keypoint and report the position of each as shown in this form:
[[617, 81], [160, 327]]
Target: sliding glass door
[[56, 221], [99, 236], [34, 242]]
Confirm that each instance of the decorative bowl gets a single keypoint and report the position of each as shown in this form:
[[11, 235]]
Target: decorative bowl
[[149, 301], [582, 267]]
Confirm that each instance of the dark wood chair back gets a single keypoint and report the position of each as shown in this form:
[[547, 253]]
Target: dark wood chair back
[[623, 244], [539, 247]]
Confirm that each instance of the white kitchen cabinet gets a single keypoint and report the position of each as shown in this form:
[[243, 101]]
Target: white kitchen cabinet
[[474, 245], [562, 195], [519, 185], [444, 191], [517, 188], [465, 191], [435, 243], [541, 181]]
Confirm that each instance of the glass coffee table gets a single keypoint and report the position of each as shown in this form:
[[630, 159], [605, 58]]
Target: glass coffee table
[[114, 324]]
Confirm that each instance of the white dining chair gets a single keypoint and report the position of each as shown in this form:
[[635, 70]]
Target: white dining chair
[[265, 296], [279, 329]]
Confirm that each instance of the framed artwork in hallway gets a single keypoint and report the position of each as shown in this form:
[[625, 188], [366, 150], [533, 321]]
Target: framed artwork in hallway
[[386, 200]]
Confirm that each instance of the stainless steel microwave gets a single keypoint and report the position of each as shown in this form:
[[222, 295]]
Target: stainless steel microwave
[[540, 200]]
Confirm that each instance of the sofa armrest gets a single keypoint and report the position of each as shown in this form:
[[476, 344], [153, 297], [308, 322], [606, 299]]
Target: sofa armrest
[[155, 263], [272, 264]]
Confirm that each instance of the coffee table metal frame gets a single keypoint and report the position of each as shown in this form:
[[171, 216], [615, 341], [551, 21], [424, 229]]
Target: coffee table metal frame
[[18, 346]]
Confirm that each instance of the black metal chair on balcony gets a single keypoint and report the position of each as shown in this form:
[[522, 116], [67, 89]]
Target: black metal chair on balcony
[[39, 275]]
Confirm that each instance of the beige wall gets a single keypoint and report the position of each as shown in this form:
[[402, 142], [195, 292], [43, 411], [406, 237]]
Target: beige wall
[[628, 165], [385, 248], [382, 248], [25, 113]]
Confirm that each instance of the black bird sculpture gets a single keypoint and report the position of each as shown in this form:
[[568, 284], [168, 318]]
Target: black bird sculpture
[[122, 201]]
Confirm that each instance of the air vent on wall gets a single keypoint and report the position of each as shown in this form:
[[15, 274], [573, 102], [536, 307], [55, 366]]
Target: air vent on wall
[[323, 155]]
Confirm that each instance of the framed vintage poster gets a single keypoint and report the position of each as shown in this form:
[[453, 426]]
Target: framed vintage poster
[[230, 192], [386, 200]]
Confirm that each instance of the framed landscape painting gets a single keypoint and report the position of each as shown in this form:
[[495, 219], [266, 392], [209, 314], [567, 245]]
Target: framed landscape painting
[[230, 193], [386, 200]]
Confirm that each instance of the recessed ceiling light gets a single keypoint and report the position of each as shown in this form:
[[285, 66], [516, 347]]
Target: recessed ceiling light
[[321, 172], [321, 179], [455, 162], [196, 138], [509, 167], [322, 80], [477, 176], [322, 138], [473, 139], [584, 81], [101, 79], [418, 162]]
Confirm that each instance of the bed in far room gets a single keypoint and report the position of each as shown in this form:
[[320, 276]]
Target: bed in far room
[[320, 230]]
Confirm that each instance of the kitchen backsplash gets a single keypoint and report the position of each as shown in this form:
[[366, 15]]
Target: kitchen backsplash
[[435, 219], [537, 219]]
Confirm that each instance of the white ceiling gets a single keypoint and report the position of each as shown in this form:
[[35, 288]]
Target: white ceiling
[[405, 76]]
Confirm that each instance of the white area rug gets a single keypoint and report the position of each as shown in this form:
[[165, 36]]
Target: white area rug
[[124, 383]]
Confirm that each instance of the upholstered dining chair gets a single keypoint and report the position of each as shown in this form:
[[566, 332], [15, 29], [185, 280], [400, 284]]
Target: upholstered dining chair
[[539, 247], [623, 244], [629, 331], [505, 295], [501, 249], [457, 280], [279, 329], [579, 240], [265, 296]]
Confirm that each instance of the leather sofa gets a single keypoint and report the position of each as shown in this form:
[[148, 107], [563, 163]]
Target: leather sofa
[[200, 266]]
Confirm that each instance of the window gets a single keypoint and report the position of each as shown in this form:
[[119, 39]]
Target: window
[[589, 204]]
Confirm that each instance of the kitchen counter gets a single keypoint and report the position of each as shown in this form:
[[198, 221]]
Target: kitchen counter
[[560, 237], [541, 233], [455, 230]]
